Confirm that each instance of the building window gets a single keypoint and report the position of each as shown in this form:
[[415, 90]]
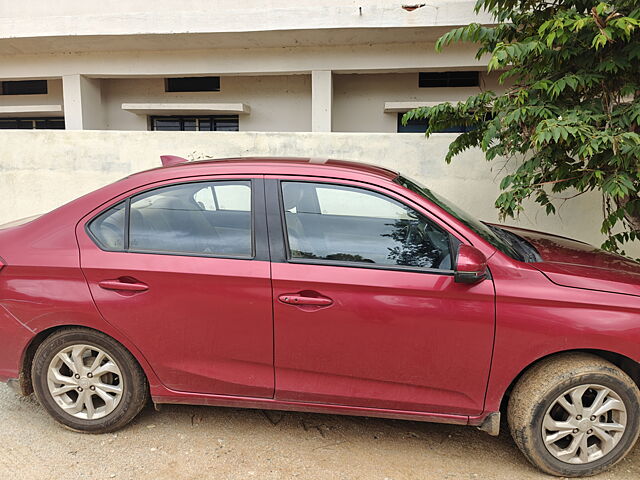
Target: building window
[[49, 123], [449, 79], [420, 126], [192, 84], [24, 87], [213, 123]]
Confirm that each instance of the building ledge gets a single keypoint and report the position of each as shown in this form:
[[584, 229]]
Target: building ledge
[[392, 107], [187, 108], [30, 110]]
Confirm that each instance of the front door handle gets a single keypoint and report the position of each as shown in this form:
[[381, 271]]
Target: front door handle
[[297, 299], [126, 286]]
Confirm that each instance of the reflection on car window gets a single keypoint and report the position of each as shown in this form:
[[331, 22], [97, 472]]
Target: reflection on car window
[[477, 226], [190, 218], [224, 197], [210, 218], [340, 223]]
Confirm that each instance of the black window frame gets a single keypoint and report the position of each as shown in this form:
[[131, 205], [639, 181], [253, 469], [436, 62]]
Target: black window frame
[[24, 87], [259, 246], [192, 84], [449, 79], [279, 238], [47, 120], [213, 119]]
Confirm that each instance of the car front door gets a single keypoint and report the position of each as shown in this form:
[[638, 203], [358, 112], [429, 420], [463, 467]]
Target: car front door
[[366, 309], [183, 271]]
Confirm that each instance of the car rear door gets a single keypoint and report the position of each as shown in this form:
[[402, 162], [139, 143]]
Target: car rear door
[[182, 270], [366, 309]]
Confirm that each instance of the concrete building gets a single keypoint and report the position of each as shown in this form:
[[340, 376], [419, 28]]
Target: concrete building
[[264, 66], [272, 77]]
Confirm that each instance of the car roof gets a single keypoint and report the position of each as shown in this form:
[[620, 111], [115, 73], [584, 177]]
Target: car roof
[[274, 165]]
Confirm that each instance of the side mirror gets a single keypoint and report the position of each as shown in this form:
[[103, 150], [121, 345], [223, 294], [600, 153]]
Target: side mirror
[[471, 265]]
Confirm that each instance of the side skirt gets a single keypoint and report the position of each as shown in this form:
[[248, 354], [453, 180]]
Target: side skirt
[[185, 398]]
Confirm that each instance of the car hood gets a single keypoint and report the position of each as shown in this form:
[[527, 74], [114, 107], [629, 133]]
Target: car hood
[[576, 264]]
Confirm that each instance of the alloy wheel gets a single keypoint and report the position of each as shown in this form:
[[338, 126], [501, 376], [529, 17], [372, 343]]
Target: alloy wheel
[[584, 424], [85, 382]]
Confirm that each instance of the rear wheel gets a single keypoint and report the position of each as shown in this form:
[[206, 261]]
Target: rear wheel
[[87, 381], [574, 415]]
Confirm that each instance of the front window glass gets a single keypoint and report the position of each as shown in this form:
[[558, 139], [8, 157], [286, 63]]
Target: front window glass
[[477, 226], [347, 224]]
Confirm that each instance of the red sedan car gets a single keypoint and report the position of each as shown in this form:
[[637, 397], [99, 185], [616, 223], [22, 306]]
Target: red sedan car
[[325, 286]]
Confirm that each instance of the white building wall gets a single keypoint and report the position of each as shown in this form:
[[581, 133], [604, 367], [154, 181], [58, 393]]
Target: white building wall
[[278, 103], [373, 57], [358, 99], [282, 103], [42, 169], [51, 98], [44, 18]]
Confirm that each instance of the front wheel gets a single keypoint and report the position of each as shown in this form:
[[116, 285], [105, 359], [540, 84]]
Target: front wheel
[[574, 415], [87, 381]]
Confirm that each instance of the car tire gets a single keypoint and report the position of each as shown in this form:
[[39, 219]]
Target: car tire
[[64, 383], [561, 394]]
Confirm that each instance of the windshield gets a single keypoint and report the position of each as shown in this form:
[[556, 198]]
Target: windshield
[[491, 235]]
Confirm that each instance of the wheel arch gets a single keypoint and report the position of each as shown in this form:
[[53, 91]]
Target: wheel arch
[[626, 364], [25, 380]]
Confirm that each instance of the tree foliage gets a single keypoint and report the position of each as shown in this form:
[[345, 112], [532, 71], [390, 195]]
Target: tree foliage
[[570, 112]]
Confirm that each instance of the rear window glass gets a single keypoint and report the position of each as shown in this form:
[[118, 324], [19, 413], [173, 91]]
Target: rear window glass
[[203, 218], [200, 218], [108, 228]]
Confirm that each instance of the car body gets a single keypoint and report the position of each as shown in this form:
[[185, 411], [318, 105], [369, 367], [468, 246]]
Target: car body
[[262, 324]]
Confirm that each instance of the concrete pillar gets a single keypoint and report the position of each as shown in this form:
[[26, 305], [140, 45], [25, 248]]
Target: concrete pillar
[[82, 103], [321, 100]]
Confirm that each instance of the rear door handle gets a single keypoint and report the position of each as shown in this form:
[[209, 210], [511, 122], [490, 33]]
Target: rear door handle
[[120, 285], [301, 300]]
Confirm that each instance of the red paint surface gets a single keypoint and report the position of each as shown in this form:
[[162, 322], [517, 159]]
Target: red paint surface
[[362, 341]]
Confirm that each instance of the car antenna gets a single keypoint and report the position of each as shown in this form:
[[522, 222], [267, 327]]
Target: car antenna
[[169, 160]]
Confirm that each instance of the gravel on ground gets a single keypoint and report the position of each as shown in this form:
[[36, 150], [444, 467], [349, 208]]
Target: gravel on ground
[[184, 443]]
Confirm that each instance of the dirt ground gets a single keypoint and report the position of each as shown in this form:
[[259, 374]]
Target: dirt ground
[[183, 442]]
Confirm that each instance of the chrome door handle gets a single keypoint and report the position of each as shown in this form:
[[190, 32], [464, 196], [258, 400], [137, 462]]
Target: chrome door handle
[[120, 285]]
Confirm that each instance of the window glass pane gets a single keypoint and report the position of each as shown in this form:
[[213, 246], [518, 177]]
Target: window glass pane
[[25, 124], [55, 123], [204, 198], [183, 219], [192, 84], [229, 123], [24, 87], [166, 124], [205, 125], [189, 124], [233, 197], [335, 200], [462, 78], [331, 222], [108, 228], [30, 123]]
